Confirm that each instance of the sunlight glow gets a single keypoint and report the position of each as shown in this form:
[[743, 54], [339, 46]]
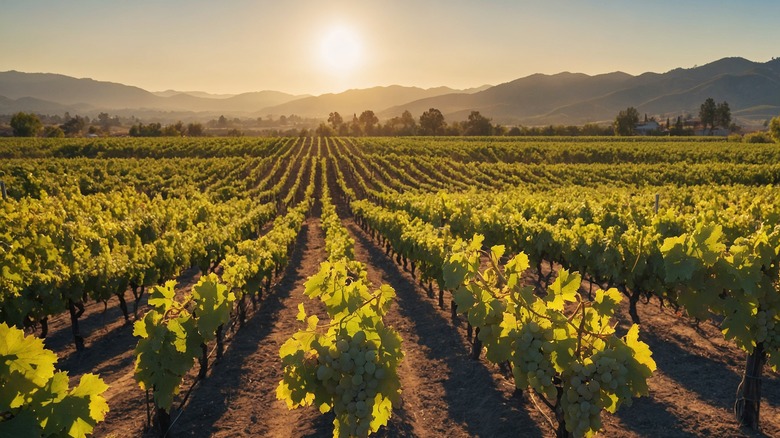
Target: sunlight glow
[[341, 50]]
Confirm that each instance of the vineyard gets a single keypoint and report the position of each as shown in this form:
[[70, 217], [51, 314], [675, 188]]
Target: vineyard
[[389, 287]]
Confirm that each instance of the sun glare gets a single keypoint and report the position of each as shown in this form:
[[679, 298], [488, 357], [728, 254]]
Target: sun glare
[[341, 50]]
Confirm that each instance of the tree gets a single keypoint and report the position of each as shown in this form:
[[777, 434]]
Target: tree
[[723, 115], [774, 128], [26, 125], [354, 128], [106, 122], [194, 130], [222, 122], [405, 124], [708, 113], [150, 130], [367, 121], [325, 130], [432, 122], [174, 130], [335, 120], [478, 124], [678, 126], [53, 132], [74, 125], [626, 121]]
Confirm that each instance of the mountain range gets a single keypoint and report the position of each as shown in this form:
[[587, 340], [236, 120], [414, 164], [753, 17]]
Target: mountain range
[[752, 90]]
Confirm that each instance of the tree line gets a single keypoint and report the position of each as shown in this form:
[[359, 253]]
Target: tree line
[[711, 116], [432, 122]]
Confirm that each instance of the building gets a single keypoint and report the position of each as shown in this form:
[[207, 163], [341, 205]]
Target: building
[[647, 128]]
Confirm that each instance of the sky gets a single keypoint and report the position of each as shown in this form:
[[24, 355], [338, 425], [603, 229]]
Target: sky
[[315, 47]]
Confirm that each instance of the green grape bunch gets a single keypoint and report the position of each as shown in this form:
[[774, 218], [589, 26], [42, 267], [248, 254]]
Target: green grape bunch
[[561, 347], [351, 372], [534, 368]]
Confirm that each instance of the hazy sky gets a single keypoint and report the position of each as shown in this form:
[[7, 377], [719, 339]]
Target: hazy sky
[[234, 46]]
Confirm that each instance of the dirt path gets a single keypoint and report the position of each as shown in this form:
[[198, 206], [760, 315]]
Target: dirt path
[[239, 398], [444, 392]]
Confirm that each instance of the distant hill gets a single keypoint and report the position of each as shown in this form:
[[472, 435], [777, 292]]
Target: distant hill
[[169, 93], [356, 101], [752, 90], [55, 93]]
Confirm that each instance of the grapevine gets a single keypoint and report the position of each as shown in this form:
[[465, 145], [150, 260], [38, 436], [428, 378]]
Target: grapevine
[[352, 367], [563, 348]]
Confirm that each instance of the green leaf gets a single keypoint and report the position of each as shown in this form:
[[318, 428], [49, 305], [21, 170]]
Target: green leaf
[[514, 269], [643, 364], [213, 303], [678, 264], [455, 270], [161, 297], [563, 290], [463, 299], [91, 386], [22, 425], [25, 362], [707, 242], [739, 318], [563, 354], [74, 413], [317, 282], [496, 252], [383, 409], [607, 302]]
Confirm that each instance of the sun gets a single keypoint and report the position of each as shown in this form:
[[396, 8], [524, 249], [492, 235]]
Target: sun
[[341, 50]]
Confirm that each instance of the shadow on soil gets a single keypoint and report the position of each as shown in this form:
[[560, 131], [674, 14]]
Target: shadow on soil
[[648, 417], [708, 378], [114, 343], [212, 400], [472, 397]]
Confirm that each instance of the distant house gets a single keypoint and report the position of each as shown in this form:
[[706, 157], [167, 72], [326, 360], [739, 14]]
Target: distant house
[[647, 128]]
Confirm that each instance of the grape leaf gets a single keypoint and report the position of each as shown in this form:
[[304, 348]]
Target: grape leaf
[[607, 302], [564, 289], [739, 318], [161, 297], [22, 425], [213, 303], [24, 365]]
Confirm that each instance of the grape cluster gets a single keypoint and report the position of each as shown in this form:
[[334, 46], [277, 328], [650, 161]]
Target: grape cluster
[[532, 366], [582, 402], [352, 373], [604, 373], [767, 328]]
